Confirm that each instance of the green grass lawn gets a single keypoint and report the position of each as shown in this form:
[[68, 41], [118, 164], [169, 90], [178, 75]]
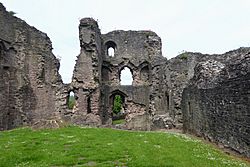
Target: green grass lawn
[[75, 146], [119, 121]]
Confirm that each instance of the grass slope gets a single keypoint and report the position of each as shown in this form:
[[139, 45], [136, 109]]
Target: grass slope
[[75, 146]]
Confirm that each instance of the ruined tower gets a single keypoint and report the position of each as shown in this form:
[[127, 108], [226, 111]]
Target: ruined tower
[[96, 78]]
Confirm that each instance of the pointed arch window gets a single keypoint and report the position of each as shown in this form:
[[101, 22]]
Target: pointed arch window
[[126, 76]]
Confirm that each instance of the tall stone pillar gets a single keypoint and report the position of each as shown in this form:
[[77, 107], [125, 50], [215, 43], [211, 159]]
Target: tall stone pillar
[[86, 76]]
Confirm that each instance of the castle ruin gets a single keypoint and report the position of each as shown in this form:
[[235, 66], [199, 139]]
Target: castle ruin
[[207, 95]]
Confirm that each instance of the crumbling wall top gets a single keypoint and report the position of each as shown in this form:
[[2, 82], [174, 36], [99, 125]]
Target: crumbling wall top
[[88, 21], [132, 45]]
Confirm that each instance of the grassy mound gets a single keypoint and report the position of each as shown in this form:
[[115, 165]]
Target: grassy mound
[[75, 146]]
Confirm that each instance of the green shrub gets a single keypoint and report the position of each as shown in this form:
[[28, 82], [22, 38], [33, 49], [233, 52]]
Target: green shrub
[[117, 104], [184, 56]]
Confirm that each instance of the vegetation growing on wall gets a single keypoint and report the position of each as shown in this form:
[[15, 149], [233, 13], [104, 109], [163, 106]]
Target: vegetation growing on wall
[[12, 13], [184, 56]]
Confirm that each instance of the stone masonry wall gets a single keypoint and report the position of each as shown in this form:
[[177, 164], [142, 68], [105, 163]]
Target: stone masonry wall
[[179, 71], [207, 94], [215, 105], [31, 82], [140, 51], [86, 77]]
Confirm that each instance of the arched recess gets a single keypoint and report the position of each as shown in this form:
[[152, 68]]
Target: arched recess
[[126, 76], [106, 74], [117, 92], [112, 98], [144, 74], [7, 55], [111, 48]]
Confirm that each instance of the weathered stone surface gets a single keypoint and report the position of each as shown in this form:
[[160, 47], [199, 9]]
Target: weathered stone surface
[[180, 70], [86, 76], [96, 78], [209, 94], [30, 80], [162, 122], [216, 106]]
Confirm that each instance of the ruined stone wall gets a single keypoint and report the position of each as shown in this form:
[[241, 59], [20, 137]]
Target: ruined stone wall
[[96, 78], [86, 77], [178, 72], [209, 94], [98, 75], [31, 81], [136, 104], [215, 105], [140, 51], [132, 51]]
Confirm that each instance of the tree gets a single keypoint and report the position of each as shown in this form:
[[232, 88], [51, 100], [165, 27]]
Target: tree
[[117, 104]]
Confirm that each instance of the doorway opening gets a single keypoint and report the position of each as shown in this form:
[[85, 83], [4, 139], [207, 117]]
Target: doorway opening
[[118, 108]]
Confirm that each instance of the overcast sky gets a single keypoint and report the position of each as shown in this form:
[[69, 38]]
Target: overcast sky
[[207, 26]]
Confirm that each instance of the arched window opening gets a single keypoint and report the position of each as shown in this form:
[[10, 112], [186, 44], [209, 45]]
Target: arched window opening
[[111, 52], [71, 100], [105, 74], [111, 48], [126, 77]]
